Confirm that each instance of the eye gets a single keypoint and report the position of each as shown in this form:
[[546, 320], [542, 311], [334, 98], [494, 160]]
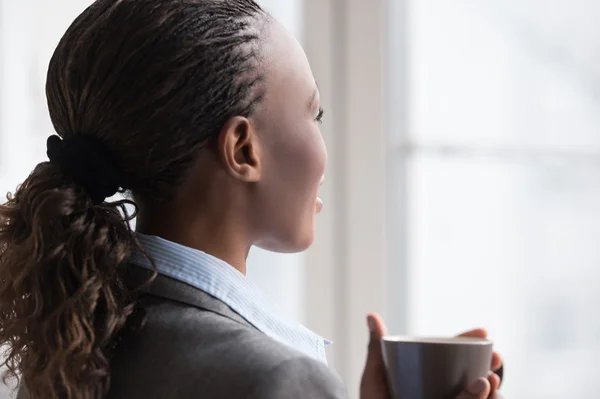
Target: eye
[[319, 117]]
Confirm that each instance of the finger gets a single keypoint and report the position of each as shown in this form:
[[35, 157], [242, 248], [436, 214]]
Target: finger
[[479, 389], [496, 361], [376, 326], [377, 330], [476, 333], [374, 382], [494, 383]]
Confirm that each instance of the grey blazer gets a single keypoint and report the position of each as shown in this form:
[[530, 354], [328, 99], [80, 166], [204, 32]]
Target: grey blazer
[[194, 346]]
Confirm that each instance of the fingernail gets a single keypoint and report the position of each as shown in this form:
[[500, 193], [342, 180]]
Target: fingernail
[[371, 323], [478, 386]]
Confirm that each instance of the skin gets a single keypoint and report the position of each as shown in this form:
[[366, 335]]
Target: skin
[[260, 187]]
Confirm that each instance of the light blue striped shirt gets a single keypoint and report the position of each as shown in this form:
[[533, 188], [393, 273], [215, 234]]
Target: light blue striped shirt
[[224, 282]]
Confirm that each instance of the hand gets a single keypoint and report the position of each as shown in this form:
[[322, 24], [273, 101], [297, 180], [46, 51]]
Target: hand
[[493, 378], [374, 381]]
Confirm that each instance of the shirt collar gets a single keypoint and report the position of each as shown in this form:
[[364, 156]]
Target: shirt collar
[[224, 282]]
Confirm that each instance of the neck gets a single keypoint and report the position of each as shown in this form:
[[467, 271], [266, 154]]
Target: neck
[[213, 234]]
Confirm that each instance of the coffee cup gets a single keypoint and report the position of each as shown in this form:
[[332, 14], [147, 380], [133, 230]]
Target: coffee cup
[[434, 368]]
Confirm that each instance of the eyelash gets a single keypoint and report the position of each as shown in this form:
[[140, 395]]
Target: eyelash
[[319, 117]]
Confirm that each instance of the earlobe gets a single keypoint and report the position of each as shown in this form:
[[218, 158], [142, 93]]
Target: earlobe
[[239, 149]]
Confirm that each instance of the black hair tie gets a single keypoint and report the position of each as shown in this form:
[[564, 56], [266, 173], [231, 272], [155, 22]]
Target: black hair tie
[[88, 163]]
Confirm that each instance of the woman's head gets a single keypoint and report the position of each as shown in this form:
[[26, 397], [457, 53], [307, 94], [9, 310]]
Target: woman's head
[[207, 107], [184, 97], [256, 181]]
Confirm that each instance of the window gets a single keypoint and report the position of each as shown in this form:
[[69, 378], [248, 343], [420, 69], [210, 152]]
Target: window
[[502, 162]]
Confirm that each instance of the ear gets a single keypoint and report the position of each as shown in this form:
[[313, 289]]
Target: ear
[[239, 149]]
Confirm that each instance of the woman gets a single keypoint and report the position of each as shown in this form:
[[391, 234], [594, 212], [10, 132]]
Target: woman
[[206, 113]]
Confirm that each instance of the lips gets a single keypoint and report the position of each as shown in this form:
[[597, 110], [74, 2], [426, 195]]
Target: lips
[[319, 204]]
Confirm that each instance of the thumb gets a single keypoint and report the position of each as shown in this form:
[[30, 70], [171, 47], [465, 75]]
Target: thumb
[[374, 382], [377, 330], [480, 389]]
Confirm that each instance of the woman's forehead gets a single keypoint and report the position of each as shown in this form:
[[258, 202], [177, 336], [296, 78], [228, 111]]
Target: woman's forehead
[[286, 68]]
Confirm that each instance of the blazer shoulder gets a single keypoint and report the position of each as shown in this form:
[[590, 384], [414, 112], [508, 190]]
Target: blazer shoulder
[[183, 350]]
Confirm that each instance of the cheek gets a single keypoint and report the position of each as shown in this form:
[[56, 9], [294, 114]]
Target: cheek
[[294, 171], [293, 164], [305, 160]]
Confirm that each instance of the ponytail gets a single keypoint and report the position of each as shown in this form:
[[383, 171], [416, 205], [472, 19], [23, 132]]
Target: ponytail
[[62, 301]]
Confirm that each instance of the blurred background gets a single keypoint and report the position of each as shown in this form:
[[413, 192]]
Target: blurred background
[[463, 188]]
